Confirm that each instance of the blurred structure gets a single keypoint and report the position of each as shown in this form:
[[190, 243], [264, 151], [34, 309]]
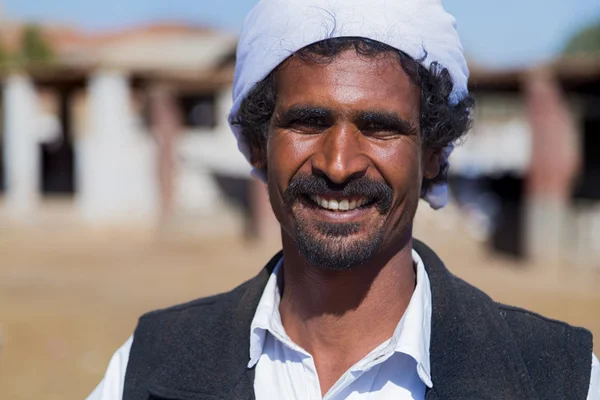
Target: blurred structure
[[528, 175], [131, 124]]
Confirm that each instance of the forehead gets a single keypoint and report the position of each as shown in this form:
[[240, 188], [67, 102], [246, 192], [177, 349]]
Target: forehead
[[349, 82]]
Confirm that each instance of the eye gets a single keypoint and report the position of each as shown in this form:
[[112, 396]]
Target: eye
[[314, 121], [311, 123], [372, 126], [379, 130]]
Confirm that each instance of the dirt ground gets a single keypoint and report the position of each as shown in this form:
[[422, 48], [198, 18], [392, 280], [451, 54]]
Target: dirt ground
[[70, 297]]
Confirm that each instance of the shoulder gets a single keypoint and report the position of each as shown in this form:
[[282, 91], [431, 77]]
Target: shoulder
[[207, 314], [526, 325], [557, 356], [523, 319], [201, 305], [547, 345], [550, 341], [541, 339], [171, 343], [201, 312]]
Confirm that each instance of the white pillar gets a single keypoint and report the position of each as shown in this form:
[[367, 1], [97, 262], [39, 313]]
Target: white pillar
[[116, 161], [224, 102], [21, 149], [205, 154], [230, 160]]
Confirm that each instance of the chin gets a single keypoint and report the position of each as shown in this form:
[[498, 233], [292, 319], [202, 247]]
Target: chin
[[337, 247]]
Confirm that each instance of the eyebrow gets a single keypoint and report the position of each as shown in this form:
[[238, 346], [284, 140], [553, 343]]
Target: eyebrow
[[387, 120], [301, 113]]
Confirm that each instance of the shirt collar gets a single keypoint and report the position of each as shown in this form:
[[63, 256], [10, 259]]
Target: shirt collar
[[267, 317], [411, 337]]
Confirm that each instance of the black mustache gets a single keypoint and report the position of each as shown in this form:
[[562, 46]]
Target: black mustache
[[310, 185]]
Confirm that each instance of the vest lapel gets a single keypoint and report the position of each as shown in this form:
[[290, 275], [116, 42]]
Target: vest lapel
[[472, 353]]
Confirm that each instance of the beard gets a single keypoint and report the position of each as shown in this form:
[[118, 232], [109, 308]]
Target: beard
[[334, 248], [337, 251]]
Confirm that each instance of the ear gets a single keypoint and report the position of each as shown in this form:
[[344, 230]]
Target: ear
[[258, 155], [258, 161], [431, 162]]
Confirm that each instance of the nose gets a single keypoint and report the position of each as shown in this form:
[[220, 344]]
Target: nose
[[340, 157]]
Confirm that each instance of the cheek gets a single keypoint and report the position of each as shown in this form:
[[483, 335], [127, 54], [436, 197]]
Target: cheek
[[400, 165], [275, 192], [287, 153], [275, 175], [285, 156]]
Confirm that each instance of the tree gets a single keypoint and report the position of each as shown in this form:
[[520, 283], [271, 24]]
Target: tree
[[586, 41], [34, 47]]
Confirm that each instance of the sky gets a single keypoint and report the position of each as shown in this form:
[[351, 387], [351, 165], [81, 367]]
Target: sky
[[495, 33]]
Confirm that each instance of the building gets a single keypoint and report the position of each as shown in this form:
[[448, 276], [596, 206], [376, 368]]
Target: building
[[529, 171], [131, 125]]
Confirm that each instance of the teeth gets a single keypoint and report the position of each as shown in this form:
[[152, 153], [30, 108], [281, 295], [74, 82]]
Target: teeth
[[344, 205], [341, 205]]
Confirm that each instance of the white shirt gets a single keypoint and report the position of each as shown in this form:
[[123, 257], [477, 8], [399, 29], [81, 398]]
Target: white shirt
[[397, 369]]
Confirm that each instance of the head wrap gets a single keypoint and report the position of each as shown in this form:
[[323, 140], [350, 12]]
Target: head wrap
[[275, 29]]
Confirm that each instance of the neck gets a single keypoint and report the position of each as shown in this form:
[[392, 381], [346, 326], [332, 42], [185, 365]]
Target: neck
[[343, 315]]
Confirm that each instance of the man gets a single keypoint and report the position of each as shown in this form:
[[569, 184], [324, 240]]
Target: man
[[348, 109]]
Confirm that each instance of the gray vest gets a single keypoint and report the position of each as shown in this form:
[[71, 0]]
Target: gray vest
[[479, 349]]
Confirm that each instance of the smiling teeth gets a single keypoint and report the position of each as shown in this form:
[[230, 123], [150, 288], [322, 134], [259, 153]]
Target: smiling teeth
[[344, 205], [341, 205]]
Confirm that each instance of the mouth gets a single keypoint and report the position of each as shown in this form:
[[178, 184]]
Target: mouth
[[339, 204], [324, 212]]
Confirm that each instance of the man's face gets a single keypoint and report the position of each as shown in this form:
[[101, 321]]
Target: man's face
[[345, 159]]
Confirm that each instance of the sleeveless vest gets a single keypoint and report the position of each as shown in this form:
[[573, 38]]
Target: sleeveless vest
[[479, 349]]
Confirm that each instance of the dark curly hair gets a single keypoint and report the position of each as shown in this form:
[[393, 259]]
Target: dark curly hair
[[441, 122]]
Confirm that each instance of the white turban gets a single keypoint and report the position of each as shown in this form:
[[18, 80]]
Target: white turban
[[275, 29]]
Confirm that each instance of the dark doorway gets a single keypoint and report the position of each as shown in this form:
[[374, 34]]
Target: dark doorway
[[507, 237], [199, 111], [58, 170], [588, 184], [237, 190], [500, 198]]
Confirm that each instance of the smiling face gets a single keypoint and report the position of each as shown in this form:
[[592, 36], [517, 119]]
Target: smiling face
[[345, 159]]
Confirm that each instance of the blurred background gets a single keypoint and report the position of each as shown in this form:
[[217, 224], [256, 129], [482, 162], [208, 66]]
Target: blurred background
[[122, 190]]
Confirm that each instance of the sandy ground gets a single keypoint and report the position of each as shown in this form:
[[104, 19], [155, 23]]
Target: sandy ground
[[70, 297]]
